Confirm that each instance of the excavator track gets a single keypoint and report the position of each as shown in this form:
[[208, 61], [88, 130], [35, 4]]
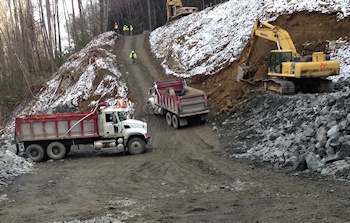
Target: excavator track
[[325, 85], [314, 85], [280, 86]]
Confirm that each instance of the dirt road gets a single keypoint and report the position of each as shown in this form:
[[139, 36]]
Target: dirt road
[[182, 177]]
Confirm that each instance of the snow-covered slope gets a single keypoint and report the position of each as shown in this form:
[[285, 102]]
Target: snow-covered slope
[[205, 42]]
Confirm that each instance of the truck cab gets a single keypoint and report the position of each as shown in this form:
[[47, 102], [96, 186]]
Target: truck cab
[[110, 120], [113, 124]]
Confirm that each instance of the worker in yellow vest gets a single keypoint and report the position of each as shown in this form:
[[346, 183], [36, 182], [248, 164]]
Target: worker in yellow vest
[[133, 57], [131, 30], [125, 29]]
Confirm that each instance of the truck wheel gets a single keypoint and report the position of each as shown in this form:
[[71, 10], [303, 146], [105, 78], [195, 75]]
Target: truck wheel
[[136, 145], [150, 109], [56, 150], [168, 118], [35, 152], [175, 121]]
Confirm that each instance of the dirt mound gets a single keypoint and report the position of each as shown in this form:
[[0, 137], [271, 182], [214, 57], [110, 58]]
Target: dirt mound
[[310, 32]]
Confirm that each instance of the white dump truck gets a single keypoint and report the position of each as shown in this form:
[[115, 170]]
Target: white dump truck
[[38, 135]]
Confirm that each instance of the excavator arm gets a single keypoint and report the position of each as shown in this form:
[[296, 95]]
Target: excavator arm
[[276, 34], [270, 32]]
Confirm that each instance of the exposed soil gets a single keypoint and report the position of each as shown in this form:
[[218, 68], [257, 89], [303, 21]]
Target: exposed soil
[[182, 177], [310, 32]]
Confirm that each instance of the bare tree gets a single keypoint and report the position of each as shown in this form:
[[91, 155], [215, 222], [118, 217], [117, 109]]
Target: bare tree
[[74, 30], [58, 28]]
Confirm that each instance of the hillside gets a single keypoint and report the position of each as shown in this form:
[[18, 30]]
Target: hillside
[[310, 32], [261, 157]]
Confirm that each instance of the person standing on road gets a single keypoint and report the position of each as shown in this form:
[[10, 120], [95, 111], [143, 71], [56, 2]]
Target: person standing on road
[[131, 29], [124, 29], [133, 57], [116, 28]]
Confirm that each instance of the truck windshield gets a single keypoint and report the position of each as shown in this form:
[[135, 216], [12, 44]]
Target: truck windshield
[[121, 116]]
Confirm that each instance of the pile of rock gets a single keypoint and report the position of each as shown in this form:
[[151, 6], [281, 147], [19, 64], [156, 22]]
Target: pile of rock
[[11, 165], [297, 132]]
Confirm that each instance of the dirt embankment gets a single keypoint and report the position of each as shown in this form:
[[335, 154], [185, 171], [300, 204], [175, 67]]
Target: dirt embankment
[[182, 177], [310, 32]]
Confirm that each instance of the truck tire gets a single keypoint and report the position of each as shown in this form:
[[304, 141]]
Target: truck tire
[[175, 121], [168, 118], [56, 150], [136, 145], [150, 109], [35, 152]]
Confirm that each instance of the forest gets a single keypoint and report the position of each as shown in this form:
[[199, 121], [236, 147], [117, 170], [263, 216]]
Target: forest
[[37, 36]]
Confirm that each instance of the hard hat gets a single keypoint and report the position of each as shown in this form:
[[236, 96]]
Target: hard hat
[[132, 51]]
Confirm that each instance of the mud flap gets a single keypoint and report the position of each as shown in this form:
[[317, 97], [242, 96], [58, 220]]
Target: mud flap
[[183, 121], [20, 149]]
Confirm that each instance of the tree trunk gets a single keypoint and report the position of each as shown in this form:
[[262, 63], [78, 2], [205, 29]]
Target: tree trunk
[[58, 29], [102, 15], [50, 39], [74, 25], [149, 15]]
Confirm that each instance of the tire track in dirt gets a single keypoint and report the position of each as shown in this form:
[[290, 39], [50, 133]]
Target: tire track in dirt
[[172, 146], [195, 185]]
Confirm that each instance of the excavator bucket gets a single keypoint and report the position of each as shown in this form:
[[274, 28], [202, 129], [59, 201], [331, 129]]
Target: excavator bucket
[[246, 55], [242, 71]]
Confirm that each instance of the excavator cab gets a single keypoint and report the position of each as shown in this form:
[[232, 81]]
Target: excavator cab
[[276, 58]]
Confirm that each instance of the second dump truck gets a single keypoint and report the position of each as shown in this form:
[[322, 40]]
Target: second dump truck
[[179, 103]]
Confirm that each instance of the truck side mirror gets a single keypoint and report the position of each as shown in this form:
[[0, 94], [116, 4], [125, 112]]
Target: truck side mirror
[[151, 91]]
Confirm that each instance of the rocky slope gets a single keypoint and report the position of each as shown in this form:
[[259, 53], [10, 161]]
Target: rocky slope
[[308, 132]]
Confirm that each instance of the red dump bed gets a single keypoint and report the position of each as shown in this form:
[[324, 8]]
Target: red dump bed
[[181, 99], [56, 126]]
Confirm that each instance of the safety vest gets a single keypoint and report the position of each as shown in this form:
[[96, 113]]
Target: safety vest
[[131, 28], [133, 55]]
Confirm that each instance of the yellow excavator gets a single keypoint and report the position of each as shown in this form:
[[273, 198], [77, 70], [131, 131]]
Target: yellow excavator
[[288, 71], [175, 9]]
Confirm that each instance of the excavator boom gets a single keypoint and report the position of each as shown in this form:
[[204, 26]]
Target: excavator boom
[[276, 34]]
